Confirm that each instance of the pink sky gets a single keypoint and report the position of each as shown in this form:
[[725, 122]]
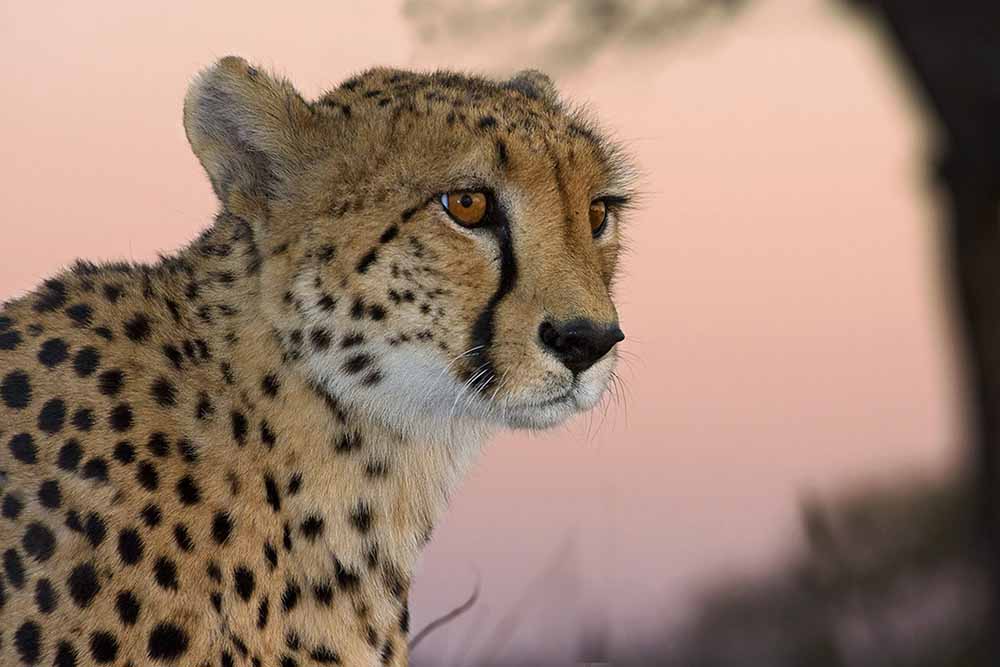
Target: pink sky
[[785, 318]]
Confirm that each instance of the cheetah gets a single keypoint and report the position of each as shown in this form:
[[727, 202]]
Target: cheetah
[[234, 455]]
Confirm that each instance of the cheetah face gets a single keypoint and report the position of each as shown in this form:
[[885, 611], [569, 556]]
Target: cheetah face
[[441, 249]]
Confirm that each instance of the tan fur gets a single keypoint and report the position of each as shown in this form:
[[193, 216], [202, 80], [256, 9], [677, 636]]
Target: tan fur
[[289, 380]]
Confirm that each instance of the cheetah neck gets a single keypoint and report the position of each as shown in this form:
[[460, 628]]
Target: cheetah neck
[[358, 500]]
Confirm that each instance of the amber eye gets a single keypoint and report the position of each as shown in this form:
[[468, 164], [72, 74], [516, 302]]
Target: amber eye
[[598, 217], [466, 208]]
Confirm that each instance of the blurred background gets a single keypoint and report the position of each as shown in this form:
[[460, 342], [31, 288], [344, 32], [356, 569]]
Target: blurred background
[[800, 471]]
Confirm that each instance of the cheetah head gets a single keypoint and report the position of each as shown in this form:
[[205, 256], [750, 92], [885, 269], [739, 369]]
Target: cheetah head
[[439, 249]]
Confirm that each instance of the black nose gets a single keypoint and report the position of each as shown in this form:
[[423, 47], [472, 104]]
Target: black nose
[[579, 343]]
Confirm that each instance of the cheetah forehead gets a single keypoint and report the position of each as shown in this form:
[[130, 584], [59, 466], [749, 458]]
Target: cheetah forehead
[[526, 105]]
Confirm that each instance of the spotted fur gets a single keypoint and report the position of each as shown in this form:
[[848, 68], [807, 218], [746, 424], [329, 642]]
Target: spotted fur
[[233, 456]]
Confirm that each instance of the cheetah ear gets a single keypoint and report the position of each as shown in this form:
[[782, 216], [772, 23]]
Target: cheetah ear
[[535, 85], [249, 130]]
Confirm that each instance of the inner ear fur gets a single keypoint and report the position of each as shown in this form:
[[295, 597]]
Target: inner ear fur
[[250, 131]]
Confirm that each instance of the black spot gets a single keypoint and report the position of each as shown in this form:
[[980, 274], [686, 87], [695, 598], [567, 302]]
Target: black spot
[[361, 517], [409, 213], [267, 435], [312, 527], [290, 597], [502, 157], [187, 491], [15, 390], [270, 385], [51, 297], [263, 611], [53, 352], [167, 642], [376, 469], [327, 303], [39, 542], [165, 573], [83, 419], [52, 416], [240, 645], [357, 363], [239, 422], [86, 361], [348, 442], [95, 529], [49, 494], [65, 655], [120, 419], [391, 232], [173, 355], [103, 647], [295, 483], [214, 573], [365, 262], [352, 340], [487, 122], [325, 656], [404, 621], [83, 585], [22, 447], [158, 445], [73, 521], [124, 452], [164, 393], [358, 309], [188, 450], [376, 312], [388, 652], [204, 409], [320, 339], [46, 598], [9, 340], [96, 468], [128, 607], [323, 593], [11, 506], [288, 661], [271, 555], [104, 333], [137, 329], [130, 546], [271, 491], [147, 476], [110, 382], [81, 314], [222, 527], [286, 537], [346, 579], [28, 642], [112, 293], [182, 538], [13, 567], [151, 515], [243, 580]]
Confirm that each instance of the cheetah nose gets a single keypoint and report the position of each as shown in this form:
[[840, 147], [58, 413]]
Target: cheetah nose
[[579, 343]]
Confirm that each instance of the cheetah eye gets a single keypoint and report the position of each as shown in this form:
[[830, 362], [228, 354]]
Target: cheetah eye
[[466, 208], [598, 217]]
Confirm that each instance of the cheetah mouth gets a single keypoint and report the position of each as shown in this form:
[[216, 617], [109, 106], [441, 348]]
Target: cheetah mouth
[[567, 397]]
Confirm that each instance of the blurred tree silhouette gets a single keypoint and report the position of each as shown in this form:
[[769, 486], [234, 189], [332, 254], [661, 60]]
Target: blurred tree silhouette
[[951, 53], [561, 33]]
